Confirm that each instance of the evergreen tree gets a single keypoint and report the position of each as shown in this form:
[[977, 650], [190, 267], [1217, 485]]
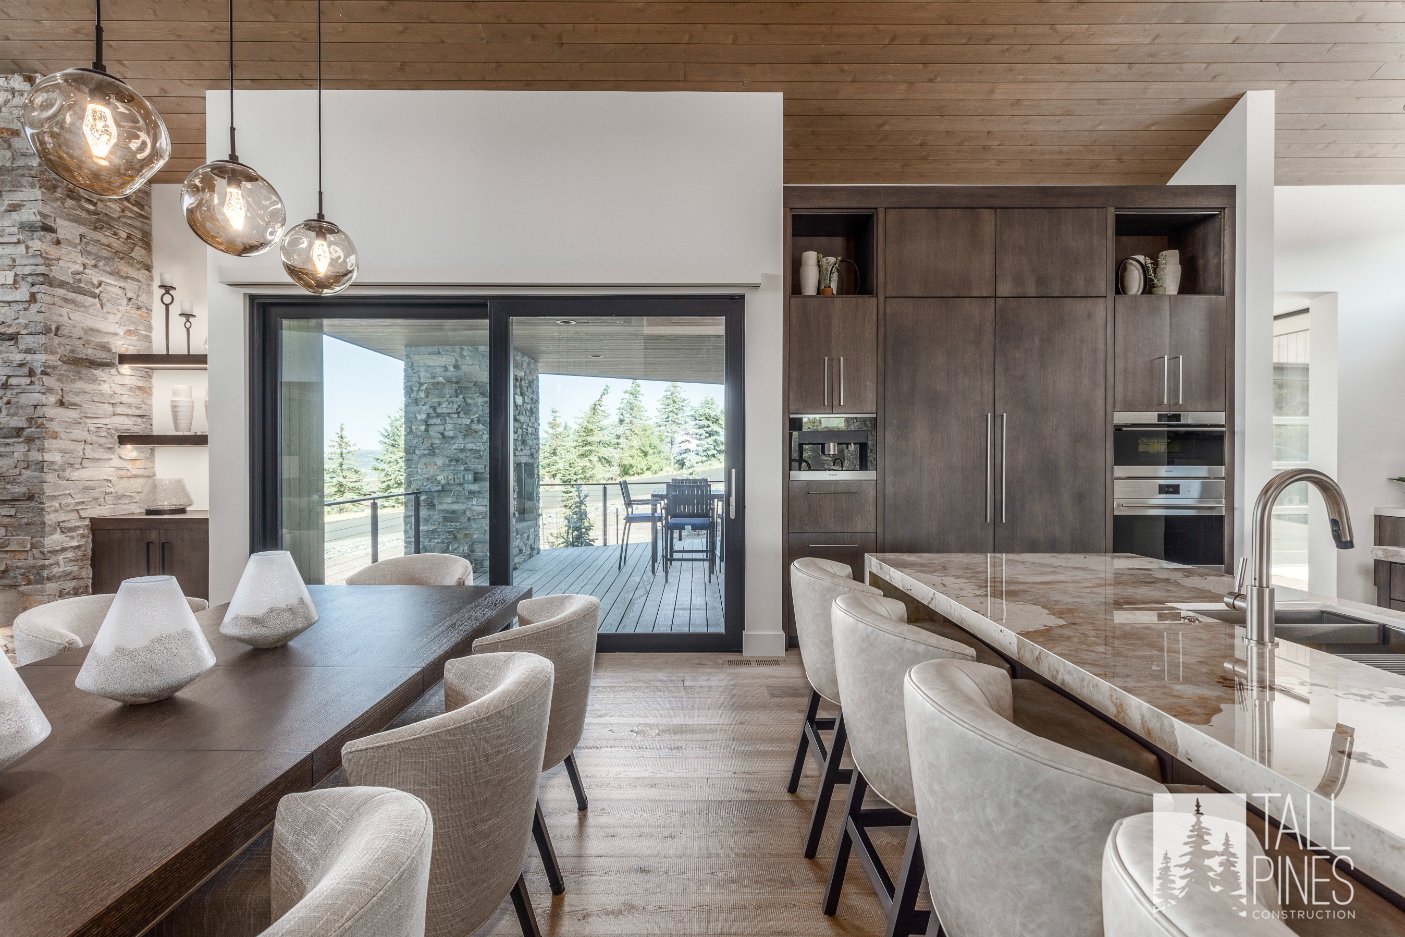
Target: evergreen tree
[[711, 443], [673, 422], [555, 448], [389, 464], [1197, 864], [1164, 889], [592, 453], [341, 476], [577, 529], [1229, 879], [638, 442]]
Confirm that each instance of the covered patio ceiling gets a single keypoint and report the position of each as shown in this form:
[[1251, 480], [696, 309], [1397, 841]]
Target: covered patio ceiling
[[688, 349]]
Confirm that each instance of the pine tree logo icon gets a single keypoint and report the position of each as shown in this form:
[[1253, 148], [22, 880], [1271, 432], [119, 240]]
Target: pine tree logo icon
[[1200, 867]]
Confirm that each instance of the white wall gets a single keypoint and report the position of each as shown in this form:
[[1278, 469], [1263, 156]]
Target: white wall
[[468, 191], [1239, 152], [1350, 240]]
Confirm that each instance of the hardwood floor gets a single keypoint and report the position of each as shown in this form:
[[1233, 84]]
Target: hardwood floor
[[690, 830]]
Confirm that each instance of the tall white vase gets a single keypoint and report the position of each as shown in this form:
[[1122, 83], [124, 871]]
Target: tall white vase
[[809, 273], [22, 723], [182, 408]]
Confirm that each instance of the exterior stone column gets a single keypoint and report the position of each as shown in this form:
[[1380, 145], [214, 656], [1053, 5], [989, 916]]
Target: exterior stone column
[[75, 289]]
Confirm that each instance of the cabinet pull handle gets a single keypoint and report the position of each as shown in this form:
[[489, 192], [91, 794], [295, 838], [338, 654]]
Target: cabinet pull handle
[[149, 571], [1004, 423], [1165, 378], [841, 380], [161, 554], [732, 498], [832, 492], [826, 380], [830, 546], [990, 468], [1180, 379]]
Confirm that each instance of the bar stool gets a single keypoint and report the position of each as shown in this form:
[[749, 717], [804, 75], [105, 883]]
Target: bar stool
[[417, 569], [350, 862], [1007, 812], [1133, 902], [814, 585]]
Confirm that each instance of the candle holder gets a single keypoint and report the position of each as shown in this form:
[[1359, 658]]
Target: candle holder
[[168, 299], [189, 318]]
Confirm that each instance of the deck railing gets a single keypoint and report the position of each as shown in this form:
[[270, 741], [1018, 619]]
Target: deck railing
[[412, 544], [553, 514]]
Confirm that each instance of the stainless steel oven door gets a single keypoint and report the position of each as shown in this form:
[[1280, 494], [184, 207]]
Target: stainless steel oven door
[[1189, 531]]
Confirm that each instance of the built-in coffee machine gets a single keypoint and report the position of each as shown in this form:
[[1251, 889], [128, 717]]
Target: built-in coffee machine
[[823, 446]]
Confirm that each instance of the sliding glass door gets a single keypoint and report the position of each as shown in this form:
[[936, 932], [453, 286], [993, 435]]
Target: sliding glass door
[[546, 439]]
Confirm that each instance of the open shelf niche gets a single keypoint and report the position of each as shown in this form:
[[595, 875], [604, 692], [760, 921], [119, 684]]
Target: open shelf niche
[[846, 234], [1197, 234]]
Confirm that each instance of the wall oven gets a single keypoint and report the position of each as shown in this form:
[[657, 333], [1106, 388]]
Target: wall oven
[[1168, 486]]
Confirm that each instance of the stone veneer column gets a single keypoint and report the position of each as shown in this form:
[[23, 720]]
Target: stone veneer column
[[75, 288]]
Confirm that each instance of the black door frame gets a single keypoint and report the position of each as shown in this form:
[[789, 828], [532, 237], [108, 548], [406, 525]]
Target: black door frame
[[265, 351]]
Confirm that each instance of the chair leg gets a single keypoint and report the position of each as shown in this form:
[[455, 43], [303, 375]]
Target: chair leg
[[902, 913], [831, 776], [804, 746], [522, 903], [582, 802], [857, 788], [548, 852], [621, 539]]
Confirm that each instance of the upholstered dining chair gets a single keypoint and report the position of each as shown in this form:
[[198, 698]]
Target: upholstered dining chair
[[350, 862], [477, 767], [561, 628], [1009, 812], [814, 585], [417, 569], [54, 627], [1133, 905]]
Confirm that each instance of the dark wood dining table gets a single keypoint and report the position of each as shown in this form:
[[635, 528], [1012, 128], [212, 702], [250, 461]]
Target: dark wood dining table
[[124, 810]]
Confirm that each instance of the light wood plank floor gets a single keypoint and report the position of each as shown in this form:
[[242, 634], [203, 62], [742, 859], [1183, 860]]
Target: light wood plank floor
[[690, 830]]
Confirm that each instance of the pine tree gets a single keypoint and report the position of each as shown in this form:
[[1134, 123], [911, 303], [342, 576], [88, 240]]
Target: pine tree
[[577, 529], [638, 442], [341, 476], [711, 442], [1164, 889], [673, 422], [389, 464], [1229, 879], [592, 453], [1197, 865], [555, 448]]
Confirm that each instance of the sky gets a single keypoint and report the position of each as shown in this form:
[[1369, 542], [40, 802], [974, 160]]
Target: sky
[[364, 388]]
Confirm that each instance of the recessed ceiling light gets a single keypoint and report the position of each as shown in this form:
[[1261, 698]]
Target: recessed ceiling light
[[596, 356], [565, 321]]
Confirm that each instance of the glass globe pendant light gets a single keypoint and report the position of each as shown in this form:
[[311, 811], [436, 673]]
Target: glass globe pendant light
[[92, 130], [230, 206], [319, 256]]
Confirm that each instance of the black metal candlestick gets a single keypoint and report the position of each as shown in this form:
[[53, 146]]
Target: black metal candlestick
[[168, 299], [189, 320]]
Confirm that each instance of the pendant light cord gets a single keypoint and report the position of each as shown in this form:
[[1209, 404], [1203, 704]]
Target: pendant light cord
[[97, 40], [320, 216], [233, 150]]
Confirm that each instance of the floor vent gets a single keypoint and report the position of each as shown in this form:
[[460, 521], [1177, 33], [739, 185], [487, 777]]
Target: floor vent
[[753, 662]]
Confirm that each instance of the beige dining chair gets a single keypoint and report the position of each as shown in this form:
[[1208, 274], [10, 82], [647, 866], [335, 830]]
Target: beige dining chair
[[1136, 904], [477, 767], [350, 862], [561, 628], [418, 569], [56, 626], [1014, 823]]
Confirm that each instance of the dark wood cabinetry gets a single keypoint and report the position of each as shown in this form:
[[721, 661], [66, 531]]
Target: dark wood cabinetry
[[940, 252], [1171, 353], [833, 349], [139, 545], [831, 505], [1051, 252]]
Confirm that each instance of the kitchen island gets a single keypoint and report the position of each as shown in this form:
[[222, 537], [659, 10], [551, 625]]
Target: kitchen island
[[1133, 638]]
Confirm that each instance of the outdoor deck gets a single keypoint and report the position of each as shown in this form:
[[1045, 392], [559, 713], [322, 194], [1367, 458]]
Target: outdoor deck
[[631, 599]]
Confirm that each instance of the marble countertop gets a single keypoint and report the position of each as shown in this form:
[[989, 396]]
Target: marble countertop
[[1121, 633]]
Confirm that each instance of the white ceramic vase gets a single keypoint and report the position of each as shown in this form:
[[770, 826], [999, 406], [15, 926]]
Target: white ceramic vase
[[1168, 265], [809, 273], [22, 722], [149, 646], [271, 604], [182, 408]]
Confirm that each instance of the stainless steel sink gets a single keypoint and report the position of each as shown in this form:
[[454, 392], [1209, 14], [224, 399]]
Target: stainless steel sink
[[1314, 624]]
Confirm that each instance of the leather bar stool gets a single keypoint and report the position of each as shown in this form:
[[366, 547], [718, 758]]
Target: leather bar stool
[[1014, 822]]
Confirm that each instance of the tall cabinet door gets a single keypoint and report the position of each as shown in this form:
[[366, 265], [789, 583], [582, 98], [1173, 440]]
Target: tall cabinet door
[[808, 341], [938, 474], [1141, 361], [853, 329], [1050, 395]]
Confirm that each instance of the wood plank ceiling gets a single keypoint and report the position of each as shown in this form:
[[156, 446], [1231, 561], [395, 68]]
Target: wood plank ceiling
[[876, 91]]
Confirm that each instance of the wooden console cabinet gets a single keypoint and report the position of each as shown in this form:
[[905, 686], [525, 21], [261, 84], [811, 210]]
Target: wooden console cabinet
[[133, 545]]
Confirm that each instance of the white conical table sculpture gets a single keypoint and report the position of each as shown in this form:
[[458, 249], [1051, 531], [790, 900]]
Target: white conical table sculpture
[[271, 604], [149, 645], [22, 722]]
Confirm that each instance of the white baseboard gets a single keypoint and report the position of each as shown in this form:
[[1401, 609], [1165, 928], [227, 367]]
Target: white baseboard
[[763, 643]]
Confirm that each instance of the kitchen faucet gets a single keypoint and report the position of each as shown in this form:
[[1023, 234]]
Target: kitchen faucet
[[1255, 597]]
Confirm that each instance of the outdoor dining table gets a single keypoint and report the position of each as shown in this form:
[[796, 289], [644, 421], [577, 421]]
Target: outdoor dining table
[[124, 810]]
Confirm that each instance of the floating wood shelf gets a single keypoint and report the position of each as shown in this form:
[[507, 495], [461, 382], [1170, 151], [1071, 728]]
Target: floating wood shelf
[[163, 439], [166, 362]]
